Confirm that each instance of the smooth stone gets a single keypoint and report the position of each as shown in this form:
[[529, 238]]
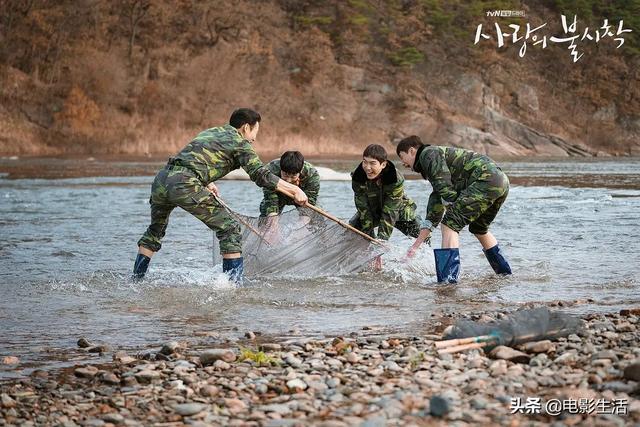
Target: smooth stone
[[478, 403], [296, 384], [7, 401], [189, 409], [278, 408], [293, 361], [250, 335], [270, 347], [99, 349], [507, 353], [545, 346], [606, 354], [86, 372], [209, 391], [10, 360], [632, 372], [110, 378], [169, 348], [438, 406], [84, 343], [147, 376], [113, 418], [566, 358], [221, 365], [208, 357]]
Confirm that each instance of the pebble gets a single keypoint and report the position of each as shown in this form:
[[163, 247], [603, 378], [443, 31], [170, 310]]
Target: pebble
[[508, 353], [84, 343], [438, 406], [208, 357], [170, 348], [10, 360], [189, 409], [632, 372]]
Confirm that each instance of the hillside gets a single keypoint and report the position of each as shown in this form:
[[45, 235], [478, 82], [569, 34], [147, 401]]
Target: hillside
[[142, 77]]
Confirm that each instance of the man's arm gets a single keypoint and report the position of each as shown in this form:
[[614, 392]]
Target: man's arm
[[362, 206], [390, 211], [312, 187], [439, 176], [248, 159], [270, 202]]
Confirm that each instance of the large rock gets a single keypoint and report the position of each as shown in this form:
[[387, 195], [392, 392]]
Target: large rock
[[209, 357], [632, 372], [507, 353]]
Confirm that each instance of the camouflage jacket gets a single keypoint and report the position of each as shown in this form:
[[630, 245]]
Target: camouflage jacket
[[217, 151], [273, 202], [449, 170], [381, 202]]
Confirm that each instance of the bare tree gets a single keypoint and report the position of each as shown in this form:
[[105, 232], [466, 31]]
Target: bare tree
[[136, 11]]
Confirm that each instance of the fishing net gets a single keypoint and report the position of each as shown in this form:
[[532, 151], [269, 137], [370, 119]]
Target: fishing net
[[300, 243], [522, 326]]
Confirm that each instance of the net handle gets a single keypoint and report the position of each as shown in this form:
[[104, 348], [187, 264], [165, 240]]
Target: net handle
[[333, 218]]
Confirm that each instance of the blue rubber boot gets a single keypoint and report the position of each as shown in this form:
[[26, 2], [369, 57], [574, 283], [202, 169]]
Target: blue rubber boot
[[140, 267], [447, 264], [497, 260], [234, 267]]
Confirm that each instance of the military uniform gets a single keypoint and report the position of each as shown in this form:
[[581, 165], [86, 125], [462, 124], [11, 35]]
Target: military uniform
[[274, 202], [211, 155], [382, 203], [469, 186]]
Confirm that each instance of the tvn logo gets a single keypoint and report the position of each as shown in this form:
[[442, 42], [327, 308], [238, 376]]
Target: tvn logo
[[506, 13]]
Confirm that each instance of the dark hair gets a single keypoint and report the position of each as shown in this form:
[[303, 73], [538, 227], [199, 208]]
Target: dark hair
[[291, 162], [375, 151], [242, 116], [412, 141]]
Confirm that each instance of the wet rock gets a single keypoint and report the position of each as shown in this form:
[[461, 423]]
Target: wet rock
[[123, 357], [293, 361], [86, 372], [99, 349], [250, 335], [439, 406], [270, 347], [84, 343], [170, 348], [10, 360], [507, 353], [147, 376], [7, 401], [189, 409], [606, 354], [113, 418], [632, 372], [567, 358], [110, 378], [221, 365], [545, 346], [208, 357], [296, 385], [209, 391]]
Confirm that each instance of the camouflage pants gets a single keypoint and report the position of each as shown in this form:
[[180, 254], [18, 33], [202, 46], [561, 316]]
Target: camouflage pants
[[408, 228], [175, 186], [478, 204]]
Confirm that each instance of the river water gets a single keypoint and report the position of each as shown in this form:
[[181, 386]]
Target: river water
[[570, 230]]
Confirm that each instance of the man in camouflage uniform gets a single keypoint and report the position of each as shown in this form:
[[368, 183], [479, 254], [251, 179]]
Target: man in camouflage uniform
[[468, 189], [187, 181], [292, 168], [378, 191]]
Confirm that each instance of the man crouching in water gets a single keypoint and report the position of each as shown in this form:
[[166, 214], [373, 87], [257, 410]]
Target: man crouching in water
[[187, 181], [471, 188]]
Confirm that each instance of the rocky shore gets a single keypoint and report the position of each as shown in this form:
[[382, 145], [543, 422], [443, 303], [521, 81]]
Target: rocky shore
[[361, 379]]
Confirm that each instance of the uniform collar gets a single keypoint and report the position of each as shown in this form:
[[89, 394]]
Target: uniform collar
[[417, 167], [389, 174]]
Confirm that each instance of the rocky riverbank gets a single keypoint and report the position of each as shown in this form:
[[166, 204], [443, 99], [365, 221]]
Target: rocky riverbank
[[360, 379]]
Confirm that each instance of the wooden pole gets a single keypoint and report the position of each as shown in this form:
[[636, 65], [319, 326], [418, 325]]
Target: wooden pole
[[460, 341], [464, 347]]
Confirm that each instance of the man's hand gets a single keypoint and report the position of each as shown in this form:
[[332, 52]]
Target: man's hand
[[299, 197], [425, 234], [213, 189]]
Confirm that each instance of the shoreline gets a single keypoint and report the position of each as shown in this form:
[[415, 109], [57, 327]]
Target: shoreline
[[367, 377]]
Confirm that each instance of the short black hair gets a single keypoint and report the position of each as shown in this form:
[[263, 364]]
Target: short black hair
[[291, 162], [375, 151], [412, 141], [243, 116]]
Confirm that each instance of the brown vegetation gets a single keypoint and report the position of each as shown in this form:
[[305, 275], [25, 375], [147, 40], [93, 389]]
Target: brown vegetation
[[144, 76]]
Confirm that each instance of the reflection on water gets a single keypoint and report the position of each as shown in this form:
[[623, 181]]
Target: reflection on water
[[68, 245]]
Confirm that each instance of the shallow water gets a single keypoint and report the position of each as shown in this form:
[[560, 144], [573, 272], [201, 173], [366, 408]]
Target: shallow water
[[67, 247]]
